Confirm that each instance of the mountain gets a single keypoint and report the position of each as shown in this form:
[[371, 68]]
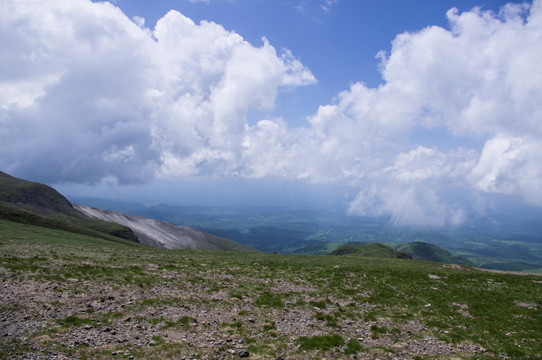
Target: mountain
[[370, 250], [164, 234], [33, 196], [425, 251], [37, 204]]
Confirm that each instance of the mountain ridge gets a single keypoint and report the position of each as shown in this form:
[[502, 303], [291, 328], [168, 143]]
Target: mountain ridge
[[33, 196], [40, 205], [164, 234]]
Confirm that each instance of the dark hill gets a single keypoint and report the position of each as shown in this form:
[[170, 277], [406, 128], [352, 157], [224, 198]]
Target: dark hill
[[33, 196], [37, 204], [426, 251], [370, 250]]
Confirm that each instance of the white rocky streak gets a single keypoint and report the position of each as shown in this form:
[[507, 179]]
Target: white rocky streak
[[158, 233]]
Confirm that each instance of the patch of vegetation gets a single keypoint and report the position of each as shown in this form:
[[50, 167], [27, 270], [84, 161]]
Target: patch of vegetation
[[324, 342], [269, 299], [73, 320], [378, 330], [319, 304], [353, 346]]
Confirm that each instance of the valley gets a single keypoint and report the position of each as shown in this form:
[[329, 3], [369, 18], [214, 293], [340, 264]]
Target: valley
[[508, 246]]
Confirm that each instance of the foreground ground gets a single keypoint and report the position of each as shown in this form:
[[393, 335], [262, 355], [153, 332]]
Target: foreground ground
[[67, 296]]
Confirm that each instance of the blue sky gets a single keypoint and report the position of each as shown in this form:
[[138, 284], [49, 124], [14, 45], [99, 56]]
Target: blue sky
[[337, 40], [423, 111]]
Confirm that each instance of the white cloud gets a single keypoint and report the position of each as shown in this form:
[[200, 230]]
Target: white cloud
[[479, 80], [91, 94], [328, 4], [87, 94], [418, 189], [139, 21], [511, 166]]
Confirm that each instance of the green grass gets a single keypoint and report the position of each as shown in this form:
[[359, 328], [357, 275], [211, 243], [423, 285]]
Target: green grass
[[347, 305], [323, 342], [75, 222], [353, 346], [73, 320], [268, 299]]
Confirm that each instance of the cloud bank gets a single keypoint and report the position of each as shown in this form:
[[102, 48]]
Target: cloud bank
[[89, 95]]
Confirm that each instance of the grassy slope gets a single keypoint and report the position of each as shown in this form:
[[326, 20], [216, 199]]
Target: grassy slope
[[37, 204], [95, 228], [358, 305], [33, 196]]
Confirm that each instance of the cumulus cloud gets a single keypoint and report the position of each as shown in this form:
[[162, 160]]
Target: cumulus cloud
[[87, 94], [408, 190], [511, 166], [477, 80]]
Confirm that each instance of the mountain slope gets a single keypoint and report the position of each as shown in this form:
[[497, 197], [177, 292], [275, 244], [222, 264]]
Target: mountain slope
[[95, 228], [163, 234], [37, 204], [33, 196]]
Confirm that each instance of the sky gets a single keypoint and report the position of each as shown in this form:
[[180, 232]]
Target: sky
[[424, 111]]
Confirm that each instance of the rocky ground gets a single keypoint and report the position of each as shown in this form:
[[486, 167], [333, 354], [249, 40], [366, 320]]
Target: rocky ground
[[52, 320], [74, 299]]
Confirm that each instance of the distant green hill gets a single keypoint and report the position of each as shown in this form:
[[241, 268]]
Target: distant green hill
[[377, 250], [414, 250], [430, 252]]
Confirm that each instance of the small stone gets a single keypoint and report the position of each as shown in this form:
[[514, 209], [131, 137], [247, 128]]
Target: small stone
[[243, 353]]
